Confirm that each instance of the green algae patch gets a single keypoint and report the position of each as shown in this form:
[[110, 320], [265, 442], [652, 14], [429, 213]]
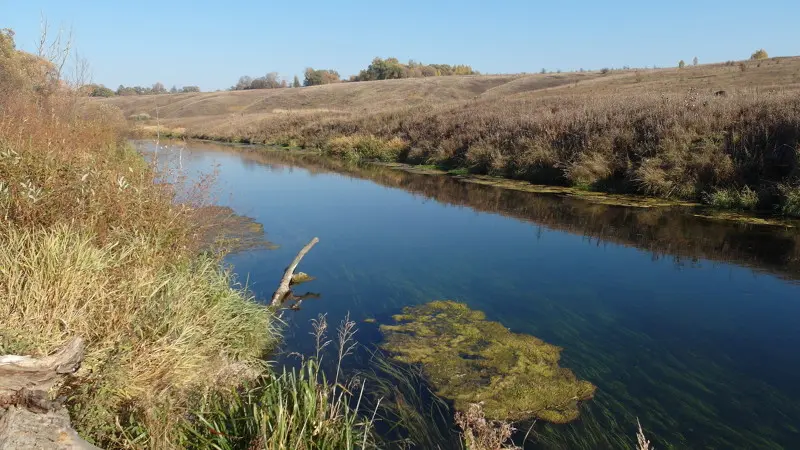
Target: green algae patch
[[410, 168], [733, 216], [469, 359], [633, 201]]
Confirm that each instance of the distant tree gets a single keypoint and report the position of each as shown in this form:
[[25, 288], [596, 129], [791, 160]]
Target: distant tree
[[695, 61], [296, 82], [269, 81], [125, 91], [173, 89], [318, 77], [99, 91], [273, 80], [759, 54], [158, 88], [258, 83], [681, 64], [190, 89], [244, 83], [543, 71]]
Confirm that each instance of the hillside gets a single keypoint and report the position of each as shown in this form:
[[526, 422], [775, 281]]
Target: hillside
[[726, 134], [372, 96]]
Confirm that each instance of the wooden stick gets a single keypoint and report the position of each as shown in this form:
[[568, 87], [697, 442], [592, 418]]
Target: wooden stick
[[283, 287]]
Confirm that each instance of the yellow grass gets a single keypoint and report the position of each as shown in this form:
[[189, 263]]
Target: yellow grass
[[90, 246]]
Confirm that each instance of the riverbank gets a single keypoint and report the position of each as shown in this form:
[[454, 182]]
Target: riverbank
[[698, 209], [681, 230]]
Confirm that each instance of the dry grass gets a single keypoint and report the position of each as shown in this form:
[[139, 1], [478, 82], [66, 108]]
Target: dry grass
[[90, 246], [665, 132], [156, 330], [479, 433]]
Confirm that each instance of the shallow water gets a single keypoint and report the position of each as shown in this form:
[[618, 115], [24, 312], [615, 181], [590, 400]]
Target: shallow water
[[691, 325]]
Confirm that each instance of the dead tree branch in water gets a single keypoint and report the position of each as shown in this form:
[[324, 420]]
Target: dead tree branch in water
[[284, 286]]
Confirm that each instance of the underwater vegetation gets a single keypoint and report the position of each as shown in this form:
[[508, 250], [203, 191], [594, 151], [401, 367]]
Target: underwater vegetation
[[468, 359]]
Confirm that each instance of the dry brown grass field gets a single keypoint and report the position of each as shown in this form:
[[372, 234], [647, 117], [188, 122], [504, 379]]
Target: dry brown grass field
[[726, 133]]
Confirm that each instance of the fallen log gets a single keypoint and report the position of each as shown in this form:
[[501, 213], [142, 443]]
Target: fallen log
[[18, 373], [21, 428], [28, 418]]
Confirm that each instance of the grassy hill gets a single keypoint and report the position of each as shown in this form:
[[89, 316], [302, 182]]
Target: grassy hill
[[372, 96], [727, 134]]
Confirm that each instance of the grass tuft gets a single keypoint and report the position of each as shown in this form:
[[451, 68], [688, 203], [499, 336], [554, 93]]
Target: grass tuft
[[743, 199], [300, 409]]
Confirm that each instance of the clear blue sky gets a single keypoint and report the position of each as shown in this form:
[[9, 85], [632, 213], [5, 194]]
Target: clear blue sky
[[211, 43]]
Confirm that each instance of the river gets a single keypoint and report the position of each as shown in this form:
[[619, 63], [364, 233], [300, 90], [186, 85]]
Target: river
[[689, 324]]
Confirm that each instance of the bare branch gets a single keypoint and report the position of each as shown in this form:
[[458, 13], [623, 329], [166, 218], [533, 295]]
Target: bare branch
[[56, 51], [283, 287], [42, 36]]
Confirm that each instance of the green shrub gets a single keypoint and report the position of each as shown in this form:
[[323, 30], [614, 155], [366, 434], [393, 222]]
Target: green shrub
[[365, 147], [790, 205], [140, 116], [744, 199]]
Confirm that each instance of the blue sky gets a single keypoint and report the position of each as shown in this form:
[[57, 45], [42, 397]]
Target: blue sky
[[212, 43]]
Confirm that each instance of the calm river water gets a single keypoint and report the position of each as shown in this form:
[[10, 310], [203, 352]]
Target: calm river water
[[689, 324]]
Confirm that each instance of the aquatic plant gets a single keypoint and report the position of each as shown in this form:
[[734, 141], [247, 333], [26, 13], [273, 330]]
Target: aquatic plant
[[409, 414], [469, 359]]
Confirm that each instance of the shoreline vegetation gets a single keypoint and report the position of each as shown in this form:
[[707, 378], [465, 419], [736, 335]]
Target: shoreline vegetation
[[722, 134]]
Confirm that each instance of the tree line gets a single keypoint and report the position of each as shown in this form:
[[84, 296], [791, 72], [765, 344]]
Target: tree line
[[99, 90], [391, 68], [379, 69]]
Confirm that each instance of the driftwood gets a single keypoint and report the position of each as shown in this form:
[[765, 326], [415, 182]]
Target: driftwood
[[284, 288], [18, 373], [21, 428], [28, 419]]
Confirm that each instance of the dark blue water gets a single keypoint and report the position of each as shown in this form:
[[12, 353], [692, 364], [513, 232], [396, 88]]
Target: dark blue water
[[688, 324]]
